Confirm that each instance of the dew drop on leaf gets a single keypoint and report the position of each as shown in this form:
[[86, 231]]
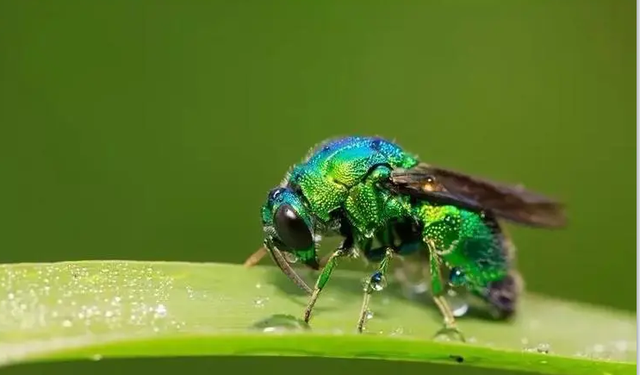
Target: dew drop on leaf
[[543, 348], [160, 311], [260, 302], [280, 323]]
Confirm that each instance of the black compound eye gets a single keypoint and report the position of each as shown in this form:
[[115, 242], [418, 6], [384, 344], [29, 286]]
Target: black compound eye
[[291, 229], [273, 194]]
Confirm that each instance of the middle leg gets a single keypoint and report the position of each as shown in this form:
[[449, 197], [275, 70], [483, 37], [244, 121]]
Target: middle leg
[[373, 284]]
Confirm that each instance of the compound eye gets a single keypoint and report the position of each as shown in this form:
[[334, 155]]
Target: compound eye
[[291, 229]]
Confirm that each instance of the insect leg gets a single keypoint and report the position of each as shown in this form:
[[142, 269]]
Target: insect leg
[[437, 290], [442, 234], [322, 281], [373, 284]]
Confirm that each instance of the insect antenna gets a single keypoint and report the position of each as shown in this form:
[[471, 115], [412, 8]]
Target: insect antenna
[[256, 257], [286, 268]]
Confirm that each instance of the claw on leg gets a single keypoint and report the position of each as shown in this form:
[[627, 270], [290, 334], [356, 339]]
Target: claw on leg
[[451, 333], [438, 298], [450, 330]]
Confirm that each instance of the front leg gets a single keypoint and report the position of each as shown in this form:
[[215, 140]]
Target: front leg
[[373, 284], [322, 281]]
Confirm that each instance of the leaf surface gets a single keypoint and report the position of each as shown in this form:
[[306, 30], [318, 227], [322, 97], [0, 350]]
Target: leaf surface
[[107, 309]]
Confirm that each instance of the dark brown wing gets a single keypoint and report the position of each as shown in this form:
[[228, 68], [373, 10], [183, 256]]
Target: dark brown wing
[[509, 202]]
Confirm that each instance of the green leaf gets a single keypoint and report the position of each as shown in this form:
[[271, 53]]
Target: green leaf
[[107, 309]]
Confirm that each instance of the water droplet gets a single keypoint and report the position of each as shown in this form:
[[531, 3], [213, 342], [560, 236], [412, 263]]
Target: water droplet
[[260, 302], [160, 311], [543, 348], [622, 346], [458, 305], [369, 314], [378, 281], [280, 323], [291, 258], [456, 277], [460, 310]]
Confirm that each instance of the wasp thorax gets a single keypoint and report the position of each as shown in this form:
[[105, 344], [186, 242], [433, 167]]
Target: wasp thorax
[[292, 231]]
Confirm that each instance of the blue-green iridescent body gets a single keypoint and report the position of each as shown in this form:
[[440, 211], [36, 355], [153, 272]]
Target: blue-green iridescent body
[[337, 190]]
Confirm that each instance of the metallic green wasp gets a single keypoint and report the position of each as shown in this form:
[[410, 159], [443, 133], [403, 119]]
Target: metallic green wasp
[[385, 203]]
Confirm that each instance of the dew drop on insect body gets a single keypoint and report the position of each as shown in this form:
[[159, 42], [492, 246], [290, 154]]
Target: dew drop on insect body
[[460, 310], [369, 314], [291, 258], [378, 281], [415, 291], [459, 306]]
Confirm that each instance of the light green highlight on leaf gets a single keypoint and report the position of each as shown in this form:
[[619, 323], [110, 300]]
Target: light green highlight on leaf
[[107, 309]]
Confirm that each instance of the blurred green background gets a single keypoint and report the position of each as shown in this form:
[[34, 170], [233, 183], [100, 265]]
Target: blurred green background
[[154, 129]]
